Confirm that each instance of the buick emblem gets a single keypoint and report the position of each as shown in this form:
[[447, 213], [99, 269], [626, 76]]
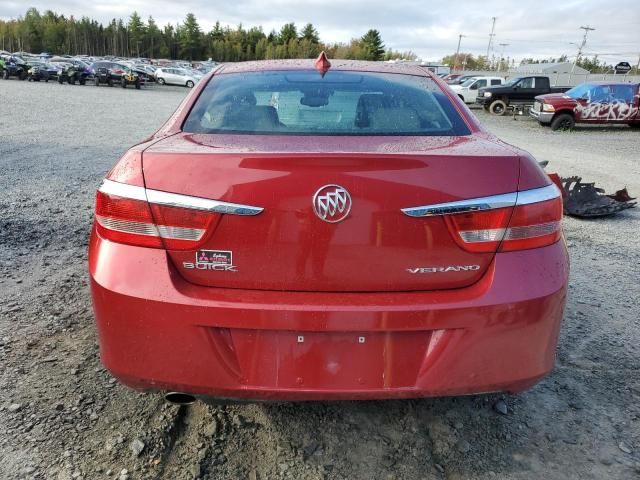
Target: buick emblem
[[332, 203]]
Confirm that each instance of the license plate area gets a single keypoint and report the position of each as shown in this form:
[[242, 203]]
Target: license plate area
[[329, 361]]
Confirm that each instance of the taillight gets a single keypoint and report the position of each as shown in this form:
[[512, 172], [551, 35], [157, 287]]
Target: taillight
[[534, 221], [150, 218], [134, 221]]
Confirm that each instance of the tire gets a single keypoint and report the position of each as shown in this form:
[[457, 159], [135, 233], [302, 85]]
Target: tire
[[72, 81], [461, 98], [190, 84], [563, 121], [110, 82], [161, 81], [22, 75], [123, 83], [498, 107], [60, 80], [82, 81], [137, 85]]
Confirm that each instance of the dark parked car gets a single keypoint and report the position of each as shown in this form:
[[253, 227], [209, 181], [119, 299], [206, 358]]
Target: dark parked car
[[519, 91], [41, 71], [15, 67]]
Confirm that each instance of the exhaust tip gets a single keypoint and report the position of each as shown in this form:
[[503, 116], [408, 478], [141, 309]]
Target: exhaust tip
[[179, 398]]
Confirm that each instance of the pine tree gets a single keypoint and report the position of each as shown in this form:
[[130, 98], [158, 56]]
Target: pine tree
[[190, 38], [287, 32], [136, 31], [372, 44], [152, 38], [310, 33]]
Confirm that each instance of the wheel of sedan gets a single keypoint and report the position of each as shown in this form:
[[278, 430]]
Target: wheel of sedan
[[190, 84], [161, 81], [498, 107], [564, 121]]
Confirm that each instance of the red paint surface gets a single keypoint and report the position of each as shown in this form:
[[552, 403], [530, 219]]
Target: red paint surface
[[158, 331]]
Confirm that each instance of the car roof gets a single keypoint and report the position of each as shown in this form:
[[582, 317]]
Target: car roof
[[308, 64], [609, 82]]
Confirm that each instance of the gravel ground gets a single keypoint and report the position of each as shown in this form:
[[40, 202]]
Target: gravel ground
[[63, 417]]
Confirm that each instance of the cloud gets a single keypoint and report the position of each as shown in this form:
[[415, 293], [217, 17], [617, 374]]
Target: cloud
[[430, 29]]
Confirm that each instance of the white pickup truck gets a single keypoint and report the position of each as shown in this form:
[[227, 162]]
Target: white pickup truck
[[468, 90]]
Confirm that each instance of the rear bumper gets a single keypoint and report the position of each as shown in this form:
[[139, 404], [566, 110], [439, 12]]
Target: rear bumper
[[158, 332]]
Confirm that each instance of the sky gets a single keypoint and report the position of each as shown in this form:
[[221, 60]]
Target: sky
[[528, 28]]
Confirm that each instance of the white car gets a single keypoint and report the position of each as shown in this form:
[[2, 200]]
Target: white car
[[468, 90], [176, 76]]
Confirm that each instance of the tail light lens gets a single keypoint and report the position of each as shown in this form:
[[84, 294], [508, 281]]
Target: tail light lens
[[134, 221], [534, 221]]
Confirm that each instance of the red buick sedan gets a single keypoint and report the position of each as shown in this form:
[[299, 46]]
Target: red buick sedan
[[302, 230]]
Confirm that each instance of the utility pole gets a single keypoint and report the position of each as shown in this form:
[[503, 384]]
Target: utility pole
[[491, 35], [455, 60], [586, 29], [503, 45]]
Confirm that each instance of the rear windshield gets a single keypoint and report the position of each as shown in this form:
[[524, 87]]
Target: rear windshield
[[340, 103]]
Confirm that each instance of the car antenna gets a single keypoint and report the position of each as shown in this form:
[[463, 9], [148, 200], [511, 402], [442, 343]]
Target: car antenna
[[322, 63]]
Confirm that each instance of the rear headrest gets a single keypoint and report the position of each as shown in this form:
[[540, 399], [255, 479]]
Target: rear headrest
[[367, 104], [251, 118], [395, 119]]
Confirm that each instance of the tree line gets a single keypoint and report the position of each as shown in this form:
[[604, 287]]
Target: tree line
[[53, 33]]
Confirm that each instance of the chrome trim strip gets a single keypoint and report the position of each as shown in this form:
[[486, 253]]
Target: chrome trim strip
[[462, 206], [123, 190], [176, 200], [198, 203], [537, 195], [485, 203]]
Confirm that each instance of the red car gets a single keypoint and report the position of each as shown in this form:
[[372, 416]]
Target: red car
[[301, 230], [593, 102]]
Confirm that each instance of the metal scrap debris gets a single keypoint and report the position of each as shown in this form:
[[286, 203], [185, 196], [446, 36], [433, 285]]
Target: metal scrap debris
[[585, 200]]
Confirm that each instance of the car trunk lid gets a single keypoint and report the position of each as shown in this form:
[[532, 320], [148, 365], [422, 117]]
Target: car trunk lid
[[289, 247]]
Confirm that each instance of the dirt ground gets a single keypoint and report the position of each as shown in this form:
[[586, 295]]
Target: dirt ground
[[63, 417]]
